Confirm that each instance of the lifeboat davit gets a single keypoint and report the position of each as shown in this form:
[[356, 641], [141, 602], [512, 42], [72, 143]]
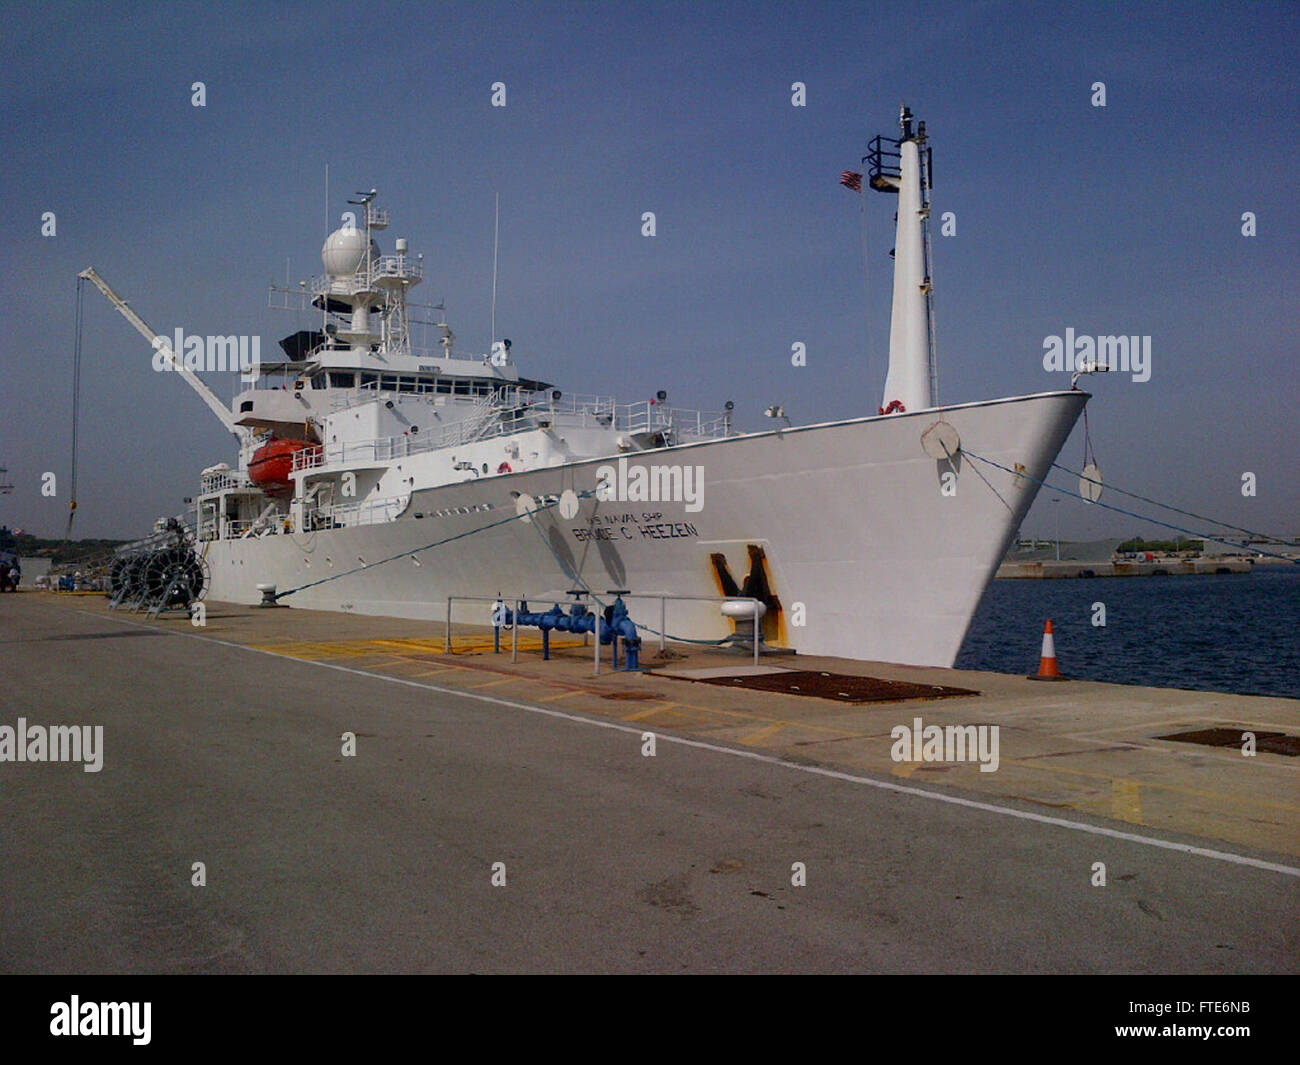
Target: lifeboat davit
[[272, 465]]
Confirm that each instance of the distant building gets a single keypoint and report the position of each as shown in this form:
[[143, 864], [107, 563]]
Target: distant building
[[33, 568], [1247, 548], [1045, 551]]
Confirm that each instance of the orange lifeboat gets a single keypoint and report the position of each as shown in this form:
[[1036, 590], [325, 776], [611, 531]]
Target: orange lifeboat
[[272, 464]]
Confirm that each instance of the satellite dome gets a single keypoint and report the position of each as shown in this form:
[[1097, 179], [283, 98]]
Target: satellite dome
[[344, 251]]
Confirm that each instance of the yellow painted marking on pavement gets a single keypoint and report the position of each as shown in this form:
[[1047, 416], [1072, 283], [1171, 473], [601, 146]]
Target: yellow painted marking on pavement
[[341, 649], [755, 738], [409, 669], [494, 683], [468, 644], [649, 711], [434, 646], [564, 695], [904, 769], [1126, 801], [1153, 784]]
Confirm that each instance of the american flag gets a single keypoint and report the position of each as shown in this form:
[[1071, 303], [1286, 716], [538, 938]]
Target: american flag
[[850, 179]]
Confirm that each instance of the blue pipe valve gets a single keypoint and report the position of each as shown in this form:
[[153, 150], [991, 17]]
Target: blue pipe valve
[[614, 625]]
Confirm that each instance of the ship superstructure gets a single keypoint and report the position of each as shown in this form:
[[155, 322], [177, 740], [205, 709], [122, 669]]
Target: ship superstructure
[[362, 421]]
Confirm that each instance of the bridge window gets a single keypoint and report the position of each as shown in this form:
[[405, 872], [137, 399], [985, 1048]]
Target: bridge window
[[444, 386], [462, 388], [342, 379]]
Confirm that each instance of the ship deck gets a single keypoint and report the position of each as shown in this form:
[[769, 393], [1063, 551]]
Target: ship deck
[[222, 744]]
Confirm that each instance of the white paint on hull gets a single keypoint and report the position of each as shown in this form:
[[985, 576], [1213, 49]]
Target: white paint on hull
[[851, 516]]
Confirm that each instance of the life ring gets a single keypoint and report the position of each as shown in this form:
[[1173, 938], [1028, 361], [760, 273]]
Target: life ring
[[505, 468], [895, 406]]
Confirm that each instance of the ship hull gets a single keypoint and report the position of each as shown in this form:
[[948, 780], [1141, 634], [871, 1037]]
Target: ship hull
[[874, 550]]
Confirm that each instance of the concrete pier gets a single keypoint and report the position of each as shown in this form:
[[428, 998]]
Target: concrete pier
[[533, 817], [1159, 568]]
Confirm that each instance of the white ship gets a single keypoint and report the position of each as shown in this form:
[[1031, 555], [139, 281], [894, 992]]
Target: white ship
[[376, 478]]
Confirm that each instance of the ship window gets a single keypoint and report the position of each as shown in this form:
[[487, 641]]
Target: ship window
[[340, 379], [444, 386], [462, 388], [406, 384], [388, 382], [318, 380], [482, 388], [369, 380]]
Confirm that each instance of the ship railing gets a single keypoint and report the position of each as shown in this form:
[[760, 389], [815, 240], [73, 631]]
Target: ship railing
[[267, 525], [707, 425], [381, 268], [505, 416], [218, 482], [384, 449], [399, 266], [308, 458], [362, 512], [520, 408], [645, 416], [328, 285], [676, 424]]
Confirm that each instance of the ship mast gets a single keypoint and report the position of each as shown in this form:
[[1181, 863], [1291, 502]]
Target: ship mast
[[902, 167], [359, 278]]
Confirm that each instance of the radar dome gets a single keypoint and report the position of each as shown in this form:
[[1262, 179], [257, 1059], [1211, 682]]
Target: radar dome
[[344, 251]]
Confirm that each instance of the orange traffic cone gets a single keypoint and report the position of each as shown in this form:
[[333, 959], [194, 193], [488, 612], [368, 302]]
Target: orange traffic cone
[[1047, 668]]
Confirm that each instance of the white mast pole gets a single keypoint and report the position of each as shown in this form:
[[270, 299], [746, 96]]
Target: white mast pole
[[496, 232], [908, 380]]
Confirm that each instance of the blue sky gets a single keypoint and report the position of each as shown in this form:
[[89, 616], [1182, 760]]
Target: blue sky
[[1124, 219]]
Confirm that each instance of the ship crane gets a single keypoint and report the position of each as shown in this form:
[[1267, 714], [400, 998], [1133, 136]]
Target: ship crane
[[160, 343]]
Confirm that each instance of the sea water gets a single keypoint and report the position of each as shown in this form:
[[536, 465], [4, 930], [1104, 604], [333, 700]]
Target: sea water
[[1226, 632]]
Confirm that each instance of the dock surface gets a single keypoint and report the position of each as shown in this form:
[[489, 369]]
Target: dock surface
[[223, 745]]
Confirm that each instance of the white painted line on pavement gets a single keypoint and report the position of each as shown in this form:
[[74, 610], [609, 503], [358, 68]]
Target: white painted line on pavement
[[755, 756]]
